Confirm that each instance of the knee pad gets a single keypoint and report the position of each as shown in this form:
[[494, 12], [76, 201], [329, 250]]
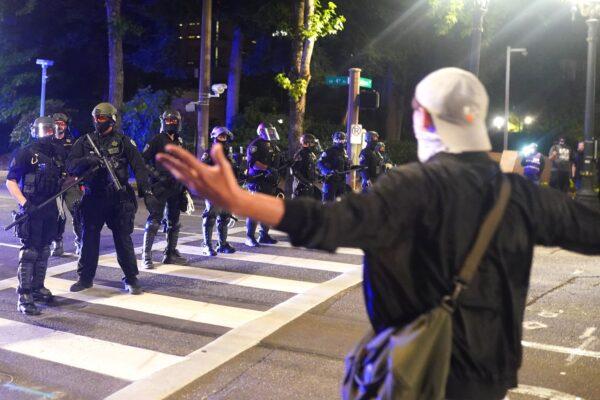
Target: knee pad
[[28, 254], [44, 253], [152, 225]]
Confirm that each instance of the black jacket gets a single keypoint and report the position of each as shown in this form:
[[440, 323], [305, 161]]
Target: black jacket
[[333, 160], [416, 228], [369, 158]]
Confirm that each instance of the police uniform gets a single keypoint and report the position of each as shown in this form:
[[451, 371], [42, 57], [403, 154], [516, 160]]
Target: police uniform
[[533, 166], [171, 196], [333, 161], [304, 169], [262, 181], [72, 199], [36, 169], [372, 161], [102, 204], [216, 214]]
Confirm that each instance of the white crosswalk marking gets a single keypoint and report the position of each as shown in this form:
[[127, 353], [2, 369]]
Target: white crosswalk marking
[[341, 250], [108, 358], [307, 263], [213, 275], [167, 306]]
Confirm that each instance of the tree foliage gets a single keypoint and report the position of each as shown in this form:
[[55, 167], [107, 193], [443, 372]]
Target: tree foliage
[[140, 114]]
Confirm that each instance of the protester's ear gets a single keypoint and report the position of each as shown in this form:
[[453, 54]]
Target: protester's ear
[[428, 121]]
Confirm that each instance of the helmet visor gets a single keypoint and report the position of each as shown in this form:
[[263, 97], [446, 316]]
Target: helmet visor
[[270, 134]]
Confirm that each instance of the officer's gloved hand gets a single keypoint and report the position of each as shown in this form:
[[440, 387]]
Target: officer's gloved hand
[[151, 201], [28, 207], [93, 161]]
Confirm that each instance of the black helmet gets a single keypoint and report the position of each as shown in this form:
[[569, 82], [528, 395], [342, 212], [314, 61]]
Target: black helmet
[[267, 131], [339, 137], [308, 139], [221, 130], [380, 146], [42, 127], [170, 128], [371, 136]]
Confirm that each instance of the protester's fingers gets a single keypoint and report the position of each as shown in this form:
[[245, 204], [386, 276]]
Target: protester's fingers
[[179, 170], [182, 154], [220, 160]]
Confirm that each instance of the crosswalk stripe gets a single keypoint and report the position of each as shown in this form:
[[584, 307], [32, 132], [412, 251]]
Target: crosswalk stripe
[[306, 263], [341, 250], [100, 356], [212, 275], [150, 303]]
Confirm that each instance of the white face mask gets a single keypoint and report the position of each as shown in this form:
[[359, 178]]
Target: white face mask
[[429, 143]]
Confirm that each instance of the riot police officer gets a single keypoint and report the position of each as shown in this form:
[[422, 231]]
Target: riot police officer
[[264, 158], [304, 167], [34, 176], [370, 159], [219, 134], [333, 164], [102, 201], [72, 198], [171, 195]]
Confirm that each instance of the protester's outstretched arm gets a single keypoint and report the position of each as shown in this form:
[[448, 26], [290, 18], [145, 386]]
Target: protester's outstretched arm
[[218, 183]]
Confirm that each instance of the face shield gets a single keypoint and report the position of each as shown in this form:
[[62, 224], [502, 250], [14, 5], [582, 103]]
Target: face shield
[[269, 133], [42, 127]]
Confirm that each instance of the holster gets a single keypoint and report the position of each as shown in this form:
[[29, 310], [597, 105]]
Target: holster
[[22, 230]]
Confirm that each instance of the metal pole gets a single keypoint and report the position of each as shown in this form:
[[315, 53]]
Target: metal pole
[[507, 98], [43, 95], [352, 112], [476, 34], [586, 194], [204, 78]]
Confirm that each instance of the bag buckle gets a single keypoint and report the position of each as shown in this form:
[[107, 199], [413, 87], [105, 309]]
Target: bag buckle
[[449, 301]]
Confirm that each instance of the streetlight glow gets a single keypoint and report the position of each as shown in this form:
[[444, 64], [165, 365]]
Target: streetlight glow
[[528, 120], [498, 122]]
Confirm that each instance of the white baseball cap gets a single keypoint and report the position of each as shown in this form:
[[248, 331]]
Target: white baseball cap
[[458, 103]]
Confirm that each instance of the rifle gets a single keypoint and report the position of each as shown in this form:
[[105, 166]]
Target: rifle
[[352, 169], [248, 178], [74, 183], [106, 164]]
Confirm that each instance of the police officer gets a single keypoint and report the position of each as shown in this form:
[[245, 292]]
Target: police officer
[[72, 198], [333, 163], [304, 166], [34, 176], [370, 160], [386, 163], [533, 164], [102, 202], [168, 191], [264, 158], [219, 134]]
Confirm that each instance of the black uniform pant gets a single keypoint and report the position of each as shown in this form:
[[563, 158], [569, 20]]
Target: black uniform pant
[[36, 234], [117, 211], [332, 190], [72, 199], [260, 187], [168, 209]]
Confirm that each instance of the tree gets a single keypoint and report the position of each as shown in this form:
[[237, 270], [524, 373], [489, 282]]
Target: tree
[[116, 76], [311, 21]]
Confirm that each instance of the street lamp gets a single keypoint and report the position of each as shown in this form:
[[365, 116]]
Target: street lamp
[[479, 9], [528, 120], [589, 9], [509, 51], [498, 122], [44, 64]]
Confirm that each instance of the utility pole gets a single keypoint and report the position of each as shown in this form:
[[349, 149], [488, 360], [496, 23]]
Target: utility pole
[[45, 64], [204, 78], [353, 146]]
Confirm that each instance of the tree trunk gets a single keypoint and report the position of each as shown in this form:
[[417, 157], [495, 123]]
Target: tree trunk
[[233, 80], [116, 78]]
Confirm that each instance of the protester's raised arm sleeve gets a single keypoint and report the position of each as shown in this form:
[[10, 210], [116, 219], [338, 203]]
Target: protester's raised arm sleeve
[[562, 221], [375, 219]]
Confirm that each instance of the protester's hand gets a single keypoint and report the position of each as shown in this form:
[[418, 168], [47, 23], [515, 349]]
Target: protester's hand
[[216, 183]]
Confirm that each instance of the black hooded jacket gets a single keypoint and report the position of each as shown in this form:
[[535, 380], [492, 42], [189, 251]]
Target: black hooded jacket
[[416, 227]]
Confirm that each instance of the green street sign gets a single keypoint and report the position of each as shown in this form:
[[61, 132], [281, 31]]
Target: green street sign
[[366, 83], [338, 81]]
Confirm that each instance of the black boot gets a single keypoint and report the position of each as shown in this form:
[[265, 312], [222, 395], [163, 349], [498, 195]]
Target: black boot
[[250, 231], [172, 255], [26, 305], [149, 235], [207, 229], [57, 248], [264, 237], [224, 246], [39, 292]]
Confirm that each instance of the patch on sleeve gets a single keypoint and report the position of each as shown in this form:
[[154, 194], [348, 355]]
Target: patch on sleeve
[[133, 142], [253, 149], [12, 163]]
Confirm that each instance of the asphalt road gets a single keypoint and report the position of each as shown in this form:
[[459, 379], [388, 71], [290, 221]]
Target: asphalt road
[[273, 323]]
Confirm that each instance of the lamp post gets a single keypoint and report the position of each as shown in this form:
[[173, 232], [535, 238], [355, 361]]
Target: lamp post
[[44, 64], [479, 9], [509, 51], [589, 9]]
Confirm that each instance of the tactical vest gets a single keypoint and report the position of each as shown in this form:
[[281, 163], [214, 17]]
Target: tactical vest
[[45, 179]]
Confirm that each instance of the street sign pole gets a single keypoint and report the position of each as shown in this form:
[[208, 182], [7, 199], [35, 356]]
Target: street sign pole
[[352, 113]]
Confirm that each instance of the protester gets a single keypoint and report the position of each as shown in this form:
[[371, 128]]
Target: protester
[[417, 224], [560, 154], [577, 166], [533, 164]]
